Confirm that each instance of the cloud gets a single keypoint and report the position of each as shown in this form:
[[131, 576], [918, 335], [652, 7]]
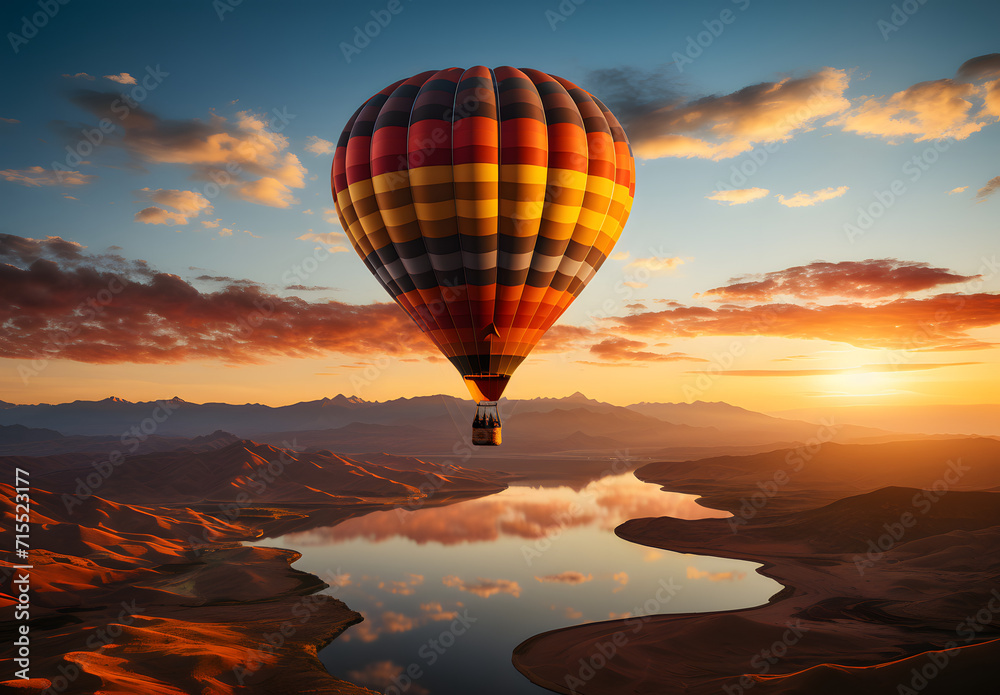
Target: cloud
[[980, 67], [9, 120], [155, 215], [720, 127], [225, 231], [211, 224], [318, 145], [80, 76], [800, 199], [121, 78], [941, 322], [926, 111], [869, 279], [403, 588], [960, 189], [566, 578], [695, 573], [484, 587], [333, 241], [620, 256], [864, 369], [738, 196], [622, 349], [397, 622], [989, 189], [39, 176], [311, 288], [621, 579], [383, 674], [572, 613], [655, 264], [153, 317], [436, 613], [330, 215], [186, 204], [242, 156]]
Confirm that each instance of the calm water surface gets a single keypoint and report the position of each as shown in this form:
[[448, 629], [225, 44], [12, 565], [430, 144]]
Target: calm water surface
[[448, 592]]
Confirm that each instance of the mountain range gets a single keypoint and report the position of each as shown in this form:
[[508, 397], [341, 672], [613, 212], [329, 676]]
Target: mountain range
[[423, 425]]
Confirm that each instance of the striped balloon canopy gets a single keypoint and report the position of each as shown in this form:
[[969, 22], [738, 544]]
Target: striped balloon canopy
[[483, 201]]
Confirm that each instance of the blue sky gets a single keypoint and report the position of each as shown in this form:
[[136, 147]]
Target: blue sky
[[263, 58]]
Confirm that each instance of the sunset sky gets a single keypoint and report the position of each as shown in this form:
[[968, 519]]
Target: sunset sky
[[816, 220]]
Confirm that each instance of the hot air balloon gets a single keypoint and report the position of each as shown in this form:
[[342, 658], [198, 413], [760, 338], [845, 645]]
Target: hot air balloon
[[483, 201]]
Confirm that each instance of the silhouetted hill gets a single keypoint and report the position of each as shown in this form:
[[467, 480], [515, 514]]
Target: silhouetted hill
[[426, 425]]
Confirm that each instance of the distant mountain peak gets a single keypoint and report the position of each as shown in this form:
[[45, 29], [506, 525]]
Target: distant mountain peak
[[341, 399], [114, 399], [577, 396]]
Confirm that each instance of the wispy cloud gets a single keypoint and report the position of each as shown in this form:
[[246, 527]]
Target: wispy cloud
[[565, 578], [185, 204], [738, 196], [801, 200], [656, 264], [40, 176], [483, 587], [121, 78], [317, 145], [991, 187]]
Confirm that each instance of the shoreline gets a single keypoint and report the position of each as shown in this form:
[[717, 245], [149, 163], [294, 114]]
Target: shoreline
[[839, 624]]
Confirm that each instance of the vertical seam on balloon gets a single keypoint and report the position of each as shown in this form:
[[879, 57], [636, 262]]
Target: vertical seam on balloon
[[409, 123], [458, 227], [496, 258], [545, 122]]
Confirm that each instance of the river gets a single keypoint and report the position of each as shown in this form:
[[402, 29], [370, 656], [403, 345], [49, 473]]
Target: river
[[448, 592]]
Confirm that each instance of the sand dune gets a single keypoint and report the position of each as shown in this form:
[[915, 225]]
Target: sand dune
[[140, 583]]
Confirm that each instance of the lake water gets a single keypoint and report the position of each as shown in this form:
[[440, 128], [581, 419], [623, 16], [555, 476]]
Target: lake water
[[448, 592]]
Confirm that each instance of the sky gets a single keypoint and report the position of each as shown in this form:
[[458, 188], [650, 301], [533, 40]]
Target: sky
[[815, 220]]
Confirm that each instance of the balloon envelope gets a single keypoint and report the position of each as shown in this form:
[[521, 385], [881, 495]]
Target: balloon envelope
[[483, 201]]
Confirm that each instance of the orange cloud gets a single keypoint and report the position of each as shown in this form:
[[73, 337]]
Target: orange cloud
[[317, 145], [484, 587], [944, 108], [397, 622], [941, 322], [695, 573], [243, 156], [333, 241], [623, 349], [739, 196], [801, 200], [108, 310], [566, 578], [39, 176], [121, 78], [186, 204], [991, 187], [655, 264], [870, 279], [381, 675], [925, 111], [720, 127]]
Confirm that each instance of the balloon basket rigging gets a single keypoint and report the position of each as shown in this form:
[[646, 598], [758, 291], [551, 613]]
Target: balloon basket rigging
[[486, 424]]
